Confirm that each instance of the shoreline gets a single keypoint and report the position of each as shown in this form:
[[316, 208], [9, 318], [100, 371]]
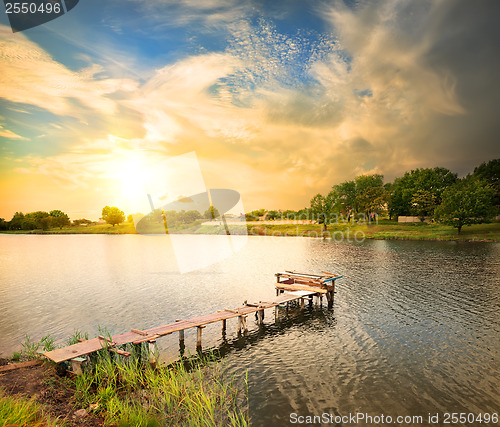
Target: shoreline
[[384, 230]]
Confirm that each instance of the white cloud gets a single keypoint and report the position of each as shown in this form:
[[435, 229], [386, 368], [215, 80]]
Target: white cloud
[[5, 133], [29, 75]]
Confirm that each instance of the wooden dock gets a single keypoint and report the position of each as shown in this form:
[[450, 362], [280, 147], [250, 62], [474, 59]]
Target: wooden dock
[[295, 286], [320, 283]]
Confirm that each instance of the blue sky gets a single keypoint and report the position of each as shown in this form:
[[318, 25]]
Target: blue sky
[[279, 100]]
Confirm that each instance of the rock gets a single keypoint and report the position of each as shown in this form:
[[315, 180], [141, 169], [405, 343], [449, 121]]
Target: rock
[[81, 413]]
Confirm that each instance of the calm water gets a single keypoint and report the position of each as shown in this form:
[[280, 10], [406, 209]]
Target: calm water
[[415, 327]]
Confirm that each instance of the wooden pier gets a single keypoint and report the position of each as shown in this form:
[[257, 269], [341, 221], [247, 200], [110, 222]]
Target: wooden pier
[[319, 283], [295, 286]]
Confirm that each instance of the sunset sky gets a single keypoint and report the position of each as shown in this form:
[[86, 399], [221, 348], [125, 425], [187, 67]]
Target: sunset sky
[[278, 100]]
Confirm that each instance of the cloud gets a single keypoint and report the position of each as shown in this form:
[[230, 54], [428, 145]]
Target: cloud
[[5, 133], [281, 117], [29, 75]]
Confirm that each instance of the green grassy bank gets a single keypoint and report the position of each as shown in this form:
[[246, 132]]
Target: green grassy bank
[[383, 230], [123, 391]]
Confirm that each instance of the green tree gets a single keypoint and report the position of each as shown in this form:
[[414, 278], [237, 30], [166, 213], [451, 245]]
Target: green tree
[[468, 201], [490, 172], [211, 213], [16, 223], [423, 204], [46, 222], [371, 195], [34, 220], [4, 225], [59, 218], [346, 203], [432, 180], [112, 215], [272, 215], [321, 210]]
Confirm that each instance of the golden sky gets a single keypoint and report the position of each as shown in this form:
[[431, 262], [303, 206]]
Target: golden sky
[[277, 102]]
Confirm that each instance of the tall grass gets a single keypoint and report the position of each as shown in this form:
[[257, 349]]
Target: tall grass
[[17, 411], [128, 393]]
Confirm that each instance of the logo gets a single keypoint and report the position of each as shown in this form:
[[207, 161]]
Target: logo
[[28, 14], [205, 226]]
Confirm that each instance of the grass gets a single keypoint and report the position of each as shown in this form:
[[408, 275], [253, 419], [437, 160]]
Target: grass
[[17, 411], [127, 391], [386, 230], [383, 230]]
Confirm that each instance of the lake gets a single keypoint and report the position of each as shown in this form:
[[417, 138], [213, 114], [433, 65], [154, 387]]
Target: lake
[[414, 329]]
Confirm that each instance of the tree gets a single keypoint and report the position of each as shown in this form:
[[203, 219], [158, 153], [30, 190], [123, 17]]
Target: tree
[[59, 218], [423, 204], [467, 202], [490, 172], [272, 215], [112, 215], [321, 210], [4, 225], [46, 222], [16, 223], [211, 213], [431, 180], [346, 198], [34, 220], [370, 193]]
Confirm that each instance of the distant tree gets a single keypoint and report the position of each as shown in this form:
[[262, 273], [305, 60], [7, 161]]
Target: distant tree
[[423, 204], [16, 223], [289, 214], [59, 218], [321, 210], [130, 218], [191, 216], [389, 189], [46, 222], [82, 221], [272, 215], [371, 195], [468, 201], [211, 213], [346, 202], [431, 180], [4, 225], [34, 220], [490, 172], [112, 215]]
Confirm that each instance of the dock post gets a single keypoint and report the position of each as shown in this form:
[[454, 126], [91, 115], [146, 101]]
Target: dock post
[[198, 336], [223, 326], [242, 324], [260, 317], [302, 304], [152, 353]]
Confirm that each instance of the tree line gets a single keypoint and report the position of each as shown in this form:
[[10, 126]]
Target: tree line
[[428, 193], [36, 220], [437, 194]]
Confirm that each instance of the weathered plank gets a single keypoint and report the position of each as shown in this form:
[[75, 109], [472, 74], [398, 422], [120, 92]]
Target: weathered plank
[[311, 289], [14, 366]]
